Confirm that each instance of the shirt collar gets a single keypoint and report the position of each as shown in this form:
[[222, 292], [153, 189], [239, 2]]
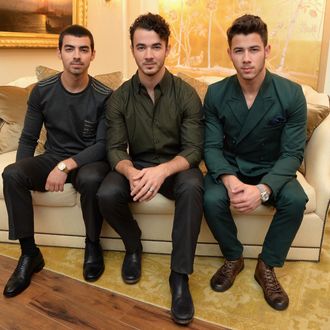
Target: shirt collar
[[163, 85]]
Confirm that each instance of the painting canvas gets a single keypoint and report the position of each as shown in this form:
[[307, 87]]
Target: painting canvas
[[33, 23], [199, 42]]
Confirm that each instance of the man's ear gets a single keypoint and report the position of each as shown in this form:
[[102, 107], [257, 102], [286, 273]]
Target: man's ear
[[267, 50], [229, 52], [59, 55], [93, 55], [168, 49]]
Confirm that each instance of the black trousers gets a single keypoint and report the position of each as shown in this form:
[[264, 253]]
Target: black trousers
[[186, 188], [31, 174]]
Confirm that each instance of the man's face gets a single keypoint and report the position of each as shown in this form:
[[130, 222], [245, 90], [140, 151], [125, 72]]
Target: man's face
[[248, 55], [76, 54], [149, 51]]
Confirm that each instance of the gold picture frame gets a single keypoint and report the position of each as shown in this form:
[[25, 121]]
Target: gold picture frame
[[41, 40]]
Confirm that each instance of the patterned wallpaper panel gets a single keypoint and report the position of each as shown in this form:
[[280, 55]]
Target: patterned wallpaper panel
[[199, 44]]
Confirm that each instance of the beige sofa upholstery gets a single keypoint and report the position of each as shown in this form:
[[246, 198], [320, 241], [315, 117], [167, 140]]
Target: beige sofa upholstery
[[58, 220]]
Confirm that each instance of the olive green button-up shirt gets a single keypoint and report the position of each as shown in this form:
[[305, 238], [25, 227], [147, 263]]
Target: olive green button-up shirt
[[154, 132]]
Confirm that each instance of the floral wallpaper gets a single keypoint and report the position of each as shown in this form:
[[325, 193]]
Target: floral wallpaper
[[199, 43]]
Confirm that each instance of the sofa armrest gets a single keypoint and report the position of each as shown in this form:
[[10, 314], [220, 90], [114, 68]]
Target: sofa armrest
[[317, 160]]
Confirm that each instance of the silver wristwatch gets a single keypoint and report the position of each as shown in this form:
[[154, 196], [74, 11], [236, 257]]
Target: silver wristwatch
[[264, 196]]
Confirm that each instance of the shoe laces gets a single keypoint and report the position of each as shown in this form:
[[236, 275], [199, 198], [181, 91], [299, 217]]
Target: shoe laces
[[272, 284], [228, 268]]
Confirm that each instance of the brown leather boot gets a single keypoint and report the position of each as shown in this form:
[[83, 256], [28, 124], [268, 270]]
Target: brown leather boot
[[225, 276], [274, 294]]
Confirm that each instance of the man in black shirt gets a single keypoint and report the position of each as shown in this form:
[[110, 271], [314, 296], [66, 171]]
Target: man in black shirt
[[159, 117], [71, 106]]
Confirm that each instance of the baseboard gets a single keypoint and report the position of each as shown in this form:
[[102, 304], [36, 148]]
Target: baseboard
[[163, 247]]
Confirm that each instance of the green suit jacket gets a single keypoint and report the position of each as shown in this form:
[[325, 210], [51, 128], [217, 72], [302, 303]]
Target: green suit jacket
[[266, 140]]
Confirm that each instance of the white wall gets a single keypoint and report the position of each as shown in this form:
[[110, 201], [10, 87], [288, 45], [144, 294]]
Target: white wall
[[106, 23], [15, 63]]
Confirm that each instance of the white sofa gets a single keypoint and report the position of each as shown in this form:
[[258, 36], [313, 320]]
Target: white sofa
[[58, 220]]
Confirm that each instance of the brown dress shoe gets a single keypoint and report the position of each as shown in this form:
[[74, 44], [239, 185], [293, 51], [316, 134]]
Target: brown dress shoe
[[225, 276], [274, 294]]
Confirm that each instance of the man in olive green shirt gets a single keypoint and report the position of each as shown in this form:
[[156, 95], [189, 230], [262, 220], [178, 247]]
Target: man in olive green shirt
[[158, 116]]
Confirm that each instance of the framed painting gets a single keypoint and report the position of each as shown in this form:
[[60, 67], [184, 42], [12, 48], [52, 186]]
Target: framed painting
[[37, 23]]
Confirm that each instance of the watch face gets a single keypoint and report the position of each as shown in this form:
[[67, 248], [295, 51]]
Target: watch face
[[264, 196], [61, 166]]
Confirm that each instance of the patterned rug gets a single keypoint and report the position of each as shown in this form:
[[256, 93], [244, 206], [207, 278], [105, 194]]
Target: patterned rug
[[242, 307]]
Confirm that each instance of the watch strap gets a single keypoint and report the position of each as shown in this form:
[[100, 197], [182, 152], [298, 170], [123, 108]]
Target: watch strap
[[264, 195]]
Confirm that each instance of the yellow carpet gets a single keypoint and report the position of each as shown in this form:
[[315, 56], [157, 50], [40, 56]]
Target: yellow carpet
[[242, 307]]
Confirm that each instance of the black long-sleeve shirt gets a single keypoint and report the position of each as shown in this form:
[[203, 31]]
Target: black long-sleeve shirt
[[74, 122]]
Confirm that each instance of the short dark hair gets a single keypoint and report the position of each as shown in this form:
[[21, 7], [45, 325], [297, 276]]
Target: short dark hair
[[76, 31], [151, 22], [247, 24]]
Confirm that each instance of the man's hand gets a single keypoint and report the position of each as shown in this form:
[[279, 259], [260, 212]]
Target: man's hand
[[247, 200], [149, 181], [131, 174], [243, 197], [233, 184], [55, 180]]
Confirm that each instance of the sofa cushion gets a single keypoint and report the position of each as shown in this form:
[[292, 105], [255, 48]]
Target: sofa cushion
[[315, 115], [67, 198], [43, 72], [13, 103], [200, 86], [6, 159], [23, 81], [9, 136], [158, 205], [314, 97], [112, 80]]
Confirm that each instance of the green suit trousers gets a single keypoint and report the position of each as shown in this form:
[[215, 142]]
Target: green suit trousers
[[289, 204]]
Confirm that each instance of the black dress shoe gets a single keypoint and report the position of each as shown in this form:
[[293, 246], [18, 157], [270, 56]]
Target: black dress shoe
[[93, 262], [21, 277], [131, 269], [182, 309]]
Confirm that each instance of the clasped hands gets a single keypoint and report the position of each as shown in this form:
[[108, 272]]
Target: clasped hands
[[145, 183], [243, 197]]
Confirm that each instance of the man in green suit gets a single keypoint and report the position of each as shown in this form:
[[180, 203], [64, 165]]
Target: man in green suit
[[254, 144]]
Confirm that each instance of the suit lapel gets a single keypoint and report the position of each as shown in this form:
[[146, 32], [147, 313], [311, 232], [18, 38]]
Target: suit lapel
[[263, 102], [236, 103]]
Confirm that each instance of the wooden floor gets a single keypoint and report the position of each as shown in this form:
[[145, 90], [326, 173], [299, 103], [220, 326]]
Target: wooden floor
[[55, 301]]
